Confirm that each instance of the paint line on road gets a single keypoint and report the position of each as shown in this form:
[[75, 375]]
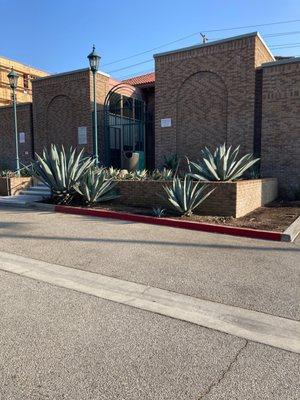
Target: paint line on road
[[259, 327]]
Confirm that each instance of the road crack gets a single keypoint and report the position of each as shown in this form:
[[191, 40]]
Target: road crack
[[225, 372]]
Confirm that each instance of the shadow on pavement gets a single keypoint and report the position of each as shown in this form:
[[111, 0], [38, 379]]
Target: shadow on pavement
[[285, 248]]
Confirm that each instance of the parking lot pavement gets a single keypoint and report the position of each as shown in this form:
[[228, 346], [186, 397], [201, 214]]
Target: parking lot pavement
[[252, 274], [59, 344]]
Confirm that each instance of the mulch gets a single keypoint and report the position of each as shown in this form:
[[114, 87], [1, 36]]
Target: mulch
[[276, 216]]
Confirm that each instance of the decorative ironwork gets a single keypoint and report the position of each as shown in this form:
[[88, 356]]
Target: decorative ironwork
[[126, 120]]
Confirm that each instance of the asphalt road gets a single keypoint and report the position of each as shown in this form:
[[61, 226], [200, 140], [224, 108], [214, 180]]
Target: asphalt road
[[253, 274], [60, 344]]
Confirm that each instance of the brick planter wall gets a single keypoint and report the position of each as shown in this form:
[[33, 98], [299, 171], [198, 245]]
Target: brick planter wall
[[229, 199], [12, 186]]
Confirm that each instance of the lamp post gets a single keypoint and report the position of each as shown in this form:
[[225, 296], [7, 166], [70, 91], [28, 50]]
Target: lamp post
[[94, 60], [13, 82]]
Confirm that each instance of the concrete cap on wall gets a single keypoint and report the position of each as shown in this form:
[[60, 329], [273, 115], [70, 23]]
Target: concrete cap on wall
[[69, 73], [281, 62], [216, 42]]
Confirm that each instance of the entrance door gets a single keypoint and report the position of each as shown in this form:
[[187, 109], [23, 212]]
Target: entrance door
[[115, 146]]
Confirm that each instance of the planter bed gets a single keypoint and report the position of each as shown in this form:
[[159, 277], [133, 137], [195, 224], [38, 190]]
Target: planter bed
[[10, 186], [230, 199], [277, 216], [270, 218]]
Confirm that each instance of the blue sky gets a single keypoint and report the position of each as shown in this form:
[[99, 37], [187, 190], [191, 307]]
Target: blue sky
[[57, 35]]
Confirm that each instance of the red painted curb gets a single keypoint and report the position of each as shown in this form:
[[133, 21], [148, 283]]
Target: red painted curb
[[174, 223]]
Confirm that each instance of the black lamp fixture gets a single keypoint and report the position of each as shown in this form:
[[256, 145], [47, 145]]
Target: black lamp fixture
[[13, 79], [94, 60]]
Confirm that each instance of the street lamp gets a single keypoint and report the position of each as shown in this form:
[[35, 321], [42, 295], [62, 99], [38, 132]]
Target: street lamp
[[13, 83], [94, 60]]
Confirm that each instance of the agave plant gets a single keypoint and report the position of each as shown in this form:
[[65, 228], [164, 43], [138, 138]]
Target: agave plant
[[171, 162], [165, 174], [7, 173], [158, 212], [130, 175], [141, 174], [222, 165], [94, 187], [186, 195], [112, 172], [61, 171]]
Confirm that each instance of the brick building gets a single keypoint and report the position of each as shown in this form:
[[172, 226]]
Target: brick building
[[26, 75], [232, 90]]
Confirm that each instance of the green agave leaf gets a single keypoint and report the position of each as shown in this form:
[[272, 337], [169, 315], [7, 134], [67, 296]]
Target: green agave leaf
[[222, 165]]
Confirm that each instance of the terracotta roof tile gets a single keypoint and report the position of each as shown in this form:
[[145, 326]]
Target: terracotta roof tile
[[141, 80]]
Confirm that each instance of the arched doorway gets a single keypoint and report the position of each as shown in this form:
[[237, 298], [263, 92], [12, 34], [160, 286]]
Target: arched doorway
[[125, 124]]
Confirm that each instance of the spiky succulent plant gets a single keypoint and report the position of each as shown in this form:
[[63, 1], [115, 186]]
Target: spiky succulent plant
[[94, 187], [112, 172], [61, 171], [222, 165], [163, 175], [140, 174], [158, 212], [186, 195], [171, 162]]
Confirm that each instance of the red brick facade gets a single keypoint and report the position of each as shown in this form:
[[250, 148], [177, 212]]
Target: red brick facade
[[280, 149], [7, 136], [61, 104], [208, 92], [229, 198]]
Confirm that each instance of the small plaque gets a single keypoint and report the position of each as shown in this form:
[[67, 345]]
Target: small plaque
[[22, 137], [82, 135], [166, 122]]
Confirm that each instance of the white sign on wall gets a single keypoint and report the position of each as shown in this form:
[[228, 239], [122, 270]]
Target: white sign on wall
[[22, 137], [82, 135], [166, 122]]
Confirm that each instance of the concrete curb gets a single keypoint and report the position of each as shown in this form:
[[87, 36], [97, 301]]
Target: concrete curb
[[43, 206], [252, 325], [290, 234], [174, 223]]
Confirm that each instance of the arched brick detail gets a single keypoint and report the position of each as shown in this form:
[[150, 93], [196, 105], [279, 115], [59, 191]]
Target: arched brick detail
[[201, 113], [61, 118]]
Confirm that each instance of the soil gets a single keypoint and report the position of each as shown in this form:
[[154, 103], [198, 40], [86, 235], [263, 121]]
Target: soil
[[276, 216]]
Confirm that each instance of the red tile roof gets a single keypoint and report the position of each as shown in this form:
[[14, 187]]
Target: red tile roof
[[141, 80]]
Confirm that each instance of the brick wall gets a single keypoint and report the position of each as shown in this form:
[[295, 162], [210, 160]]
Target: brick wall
[[7, 136], [229, 198], [61, 104], [12, 186], [209, 93], [281, 124]]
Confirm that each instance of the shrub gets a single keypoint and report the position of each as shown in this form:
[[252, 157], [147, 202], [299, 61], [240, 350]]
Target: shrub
[[171, 162], [61, 171], [186, 195], [222, 165], [94, 187]]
